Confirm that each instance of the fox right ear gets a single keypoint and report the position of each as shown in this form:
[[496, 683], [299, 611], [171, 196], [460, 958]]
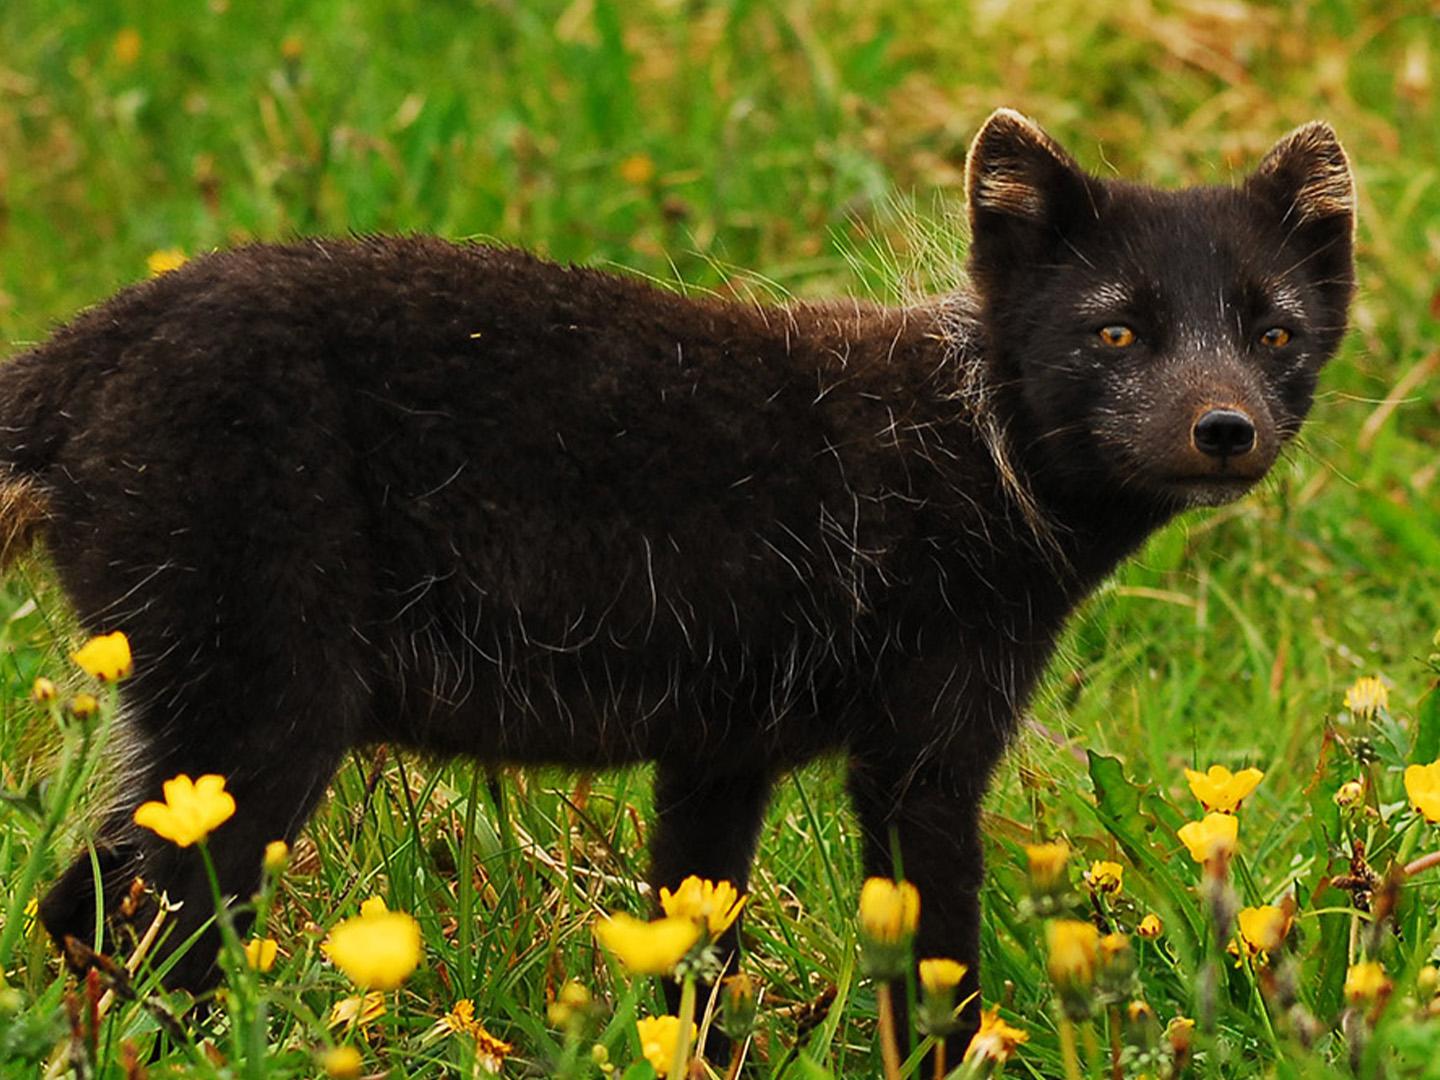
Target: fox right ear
[[1021, 186]]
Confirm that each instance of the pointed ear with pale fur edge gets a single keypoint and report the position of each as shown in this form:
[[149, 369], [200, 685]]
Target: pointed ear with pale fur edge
[[1307, 175], [1023, 191]]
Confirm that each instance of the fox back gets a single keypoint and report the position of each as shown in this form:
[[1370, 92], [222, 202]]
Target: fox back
[[456, 498]]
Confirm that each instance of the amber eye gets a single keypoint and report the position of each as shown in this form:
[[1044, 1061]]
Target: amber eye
[[1117, 337], [1277, 337]]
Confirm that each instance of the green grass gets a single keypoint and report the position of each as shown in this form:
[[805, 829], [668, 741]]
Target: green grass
[[791, 145]]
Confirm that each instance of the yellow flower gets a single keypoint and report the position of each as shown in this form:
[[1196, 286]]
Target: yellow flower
[[277, 854], [1139, 1012], [996, 1040], [106, 657], [637, 169], [342, 1062], [162, 262], [1422, 784], [1367, 697], [1074, 949], [127, 46], [1262, 929], [377, 950], [83, 705], [43, 691], [490, 1051], [1105, 877], [28, 916], [1150, 927], [1047, 862], [940, 976], [647, 948], [373, 906], [1220, 790], [574, 997], [1213, 836], [191, 810], [657, 1040], [360, 1011], [889, 910], [1350, 793], [1366, 982], [717, 905], [260, 953]]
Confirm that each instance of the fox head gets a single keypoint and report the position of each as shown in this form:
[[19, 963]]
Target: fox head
[[1157, 344]]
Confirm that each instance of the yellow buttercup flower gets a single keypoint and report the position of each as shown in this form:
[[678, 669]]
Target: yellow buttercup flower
[[1367, 697], [1150, 927], [360, 1011], [162, 262], [260, 953], [342, 1062], [1366, 982], [939, 975], [1074, 948], [889, 910], [1047, 862], [191, 810], [996, 1040], [44, 691], [637, 169], [126, 46], [1350, 793], [657, 1040], [1422, 784], [717, 905], [1105, 877], [648, 948], [1262, 929], [377, 949], [1213, 836], [106, 657], [83, 705], [1221, 791], [277, 854], [373, 906]]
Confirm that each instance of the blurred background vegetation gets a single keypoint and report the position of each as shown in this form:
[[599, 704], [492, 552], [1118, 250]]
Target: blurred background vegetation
[[779, 148]]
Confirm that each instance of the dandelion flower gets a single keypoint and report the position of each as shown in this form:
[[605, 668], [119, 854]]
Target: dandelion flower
[[1074, 948], [377, 950], [106, 657], [657, 1040], [889, 910], [1211, 837], [648, 948], [1221, 791], [1366, 982], [996, 1040], [717, 905], [191, 810], [260, 953], [1422, 784], [1046, 863], [940, 976], [1367, 697], [1105, 877]]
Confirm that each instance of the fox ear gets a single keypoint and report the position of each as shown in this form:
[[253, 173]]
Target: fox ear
[[1022, 189], [1308, 176]]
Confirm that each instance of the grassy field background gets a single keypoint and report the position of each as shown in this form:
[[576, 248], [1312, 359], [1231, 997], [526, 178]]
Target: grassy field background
[[762, 148]]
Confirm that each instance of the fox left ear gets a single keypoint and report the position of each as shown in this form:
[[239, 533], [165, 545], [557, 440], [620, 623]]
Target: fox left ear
[[1308, 176]]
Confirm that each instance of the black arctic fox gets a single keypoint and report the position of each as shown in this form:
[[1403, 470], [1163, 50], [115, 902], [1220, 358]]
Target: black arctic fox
[[456, 498]]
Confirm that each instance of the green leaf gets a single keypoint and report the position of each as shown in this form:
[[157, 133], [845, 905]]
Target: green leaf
[[1427, 728]]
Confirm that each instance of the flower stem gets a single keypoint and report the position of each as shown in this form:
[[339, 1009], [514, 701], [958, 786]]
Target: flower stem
[[1423, 863], [889, 1050], [939, 1054], [1067, 1048], [681, 1060]]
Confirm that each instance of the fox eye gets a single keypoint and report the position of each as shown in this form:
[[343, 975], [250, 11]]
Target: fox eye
[[1117, 337], [1276, 337]]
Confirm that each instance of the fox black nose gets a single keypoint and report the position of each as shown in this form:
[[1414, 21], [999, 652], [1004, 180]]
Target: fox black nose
[[1224, 433]]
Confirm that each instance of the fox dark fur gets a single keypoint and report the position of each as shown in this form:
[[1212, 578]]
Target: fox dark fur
[[460, 499]]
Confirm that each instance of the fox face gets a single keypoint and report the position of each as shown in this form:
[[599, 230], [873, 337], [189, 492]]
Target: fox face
[[1158, 345]]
